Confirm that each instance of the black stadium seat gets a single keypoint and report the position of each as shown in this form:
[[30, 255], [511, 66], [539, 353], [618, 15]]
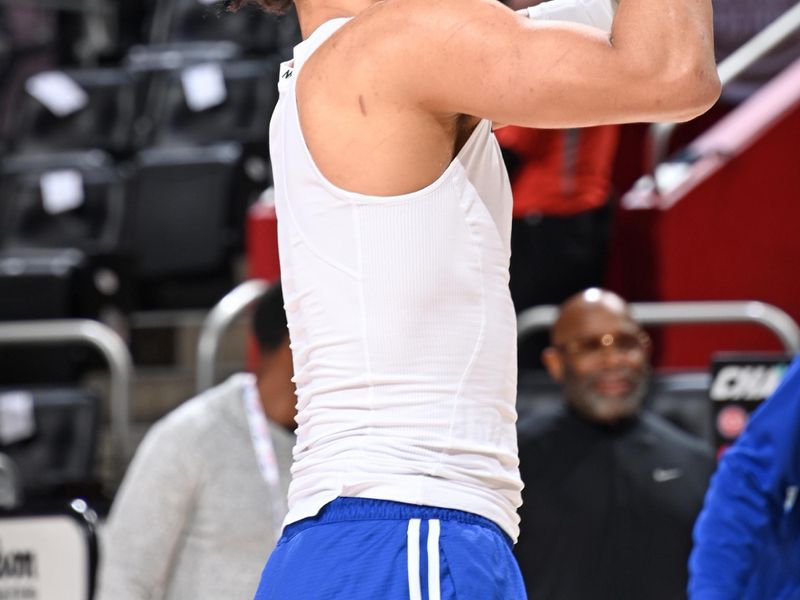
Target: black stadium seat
[[39, 283], [58, 458], [105, 121], [243, 116], [147, 65], [60, 253], [179, 230], [247, 93], [46, 283], [178, 209], [33, 215]]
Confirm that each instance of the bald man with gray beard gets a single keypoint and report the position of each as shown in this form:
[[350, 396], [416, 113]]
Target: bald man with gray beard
[[611, 490]]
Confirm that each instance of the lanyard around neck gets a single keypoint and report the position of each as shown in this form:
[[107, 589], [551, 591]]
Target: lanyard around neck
[[265, 454]]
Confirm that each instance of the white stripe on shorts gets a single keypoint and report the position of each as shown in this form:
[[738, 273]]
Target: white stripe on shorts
[[414, 587], [434, 589], [414, 583]]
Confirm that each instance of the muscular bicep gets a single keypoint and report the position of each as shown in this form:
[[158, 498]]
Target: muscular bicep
[[490, 62], [513, 70]]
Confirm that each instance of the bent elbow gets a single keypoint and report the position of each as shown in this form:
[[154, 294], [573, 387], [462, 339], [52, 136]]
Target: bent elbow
[[687, 94], [699, 92]]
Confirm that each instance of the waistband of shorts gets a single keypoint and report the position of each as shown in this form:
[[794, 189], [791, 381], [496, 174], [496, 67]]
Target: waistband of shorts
[[366, 509]]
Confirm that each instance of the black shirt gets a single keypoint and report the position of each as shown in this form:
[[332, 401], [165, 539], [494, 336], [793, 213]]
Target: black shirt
[[608, 511]]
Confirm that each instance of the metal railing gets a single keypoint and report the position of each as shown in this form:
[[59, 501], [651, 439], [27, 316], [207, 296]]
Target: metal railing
[[660, 134], [216, 324], [116, 354], [665, 313]]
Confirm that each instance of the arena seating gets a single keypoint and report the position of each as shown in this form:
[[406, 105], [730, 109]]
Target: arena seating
[[178, 208], [198, 78], [101, 119], [61, 228], [150, 66], [68, 200], [39, 283], [211, 102], [178, 222], [56, 459], [42, 283], [239, 113]]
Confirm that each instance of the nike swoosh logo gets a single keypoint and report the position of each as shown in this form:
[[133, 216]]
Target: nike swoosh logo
[[662, 475]]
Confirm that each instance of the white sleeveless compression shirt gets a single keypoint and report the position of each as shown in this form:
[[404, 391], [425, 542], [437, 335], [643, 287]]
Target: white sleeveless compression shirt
[[402, 328]]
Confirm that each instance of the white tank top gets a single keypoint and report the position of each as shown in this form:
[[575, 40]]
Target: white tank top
[[402, 328]]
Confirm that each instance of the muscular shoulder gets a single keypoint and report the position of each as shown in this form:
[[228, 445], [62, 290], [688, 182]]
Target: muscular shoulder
[[410, 45], [415, 26]]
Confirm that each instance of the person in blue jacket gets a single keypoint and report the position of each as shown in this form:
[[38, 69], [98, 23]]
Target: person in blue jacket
[[747, 538]]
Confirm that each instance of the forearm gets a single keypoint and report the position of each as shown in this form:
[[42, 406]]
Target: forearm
[[554, 74], [672, 39]]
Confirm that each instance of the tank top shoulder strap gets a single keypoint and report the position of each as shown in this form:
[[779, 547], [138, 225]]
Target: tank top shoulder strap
[[309, 45], [305, 49]]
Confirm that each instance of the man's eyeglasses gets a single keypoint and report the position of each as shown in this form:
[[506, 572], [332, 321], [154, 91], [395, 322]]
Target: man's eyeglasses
[[626, 343]]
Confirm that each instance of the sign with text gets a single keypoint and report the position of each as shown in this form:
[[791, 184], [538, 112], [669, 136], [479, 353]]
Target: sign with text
[[43, 558], [739, 384]]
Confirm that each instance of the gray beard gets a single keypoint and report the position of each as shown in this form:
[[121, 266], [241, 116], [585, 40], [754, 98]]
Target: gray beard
[[582, 397]]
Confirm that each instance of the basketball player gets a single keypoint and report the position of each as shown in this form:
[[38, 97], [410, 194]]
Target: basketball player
[[394, 213]]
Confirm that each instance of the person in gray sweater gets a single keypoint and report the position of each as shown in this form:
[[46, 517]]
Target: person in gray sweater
[[200, 507]]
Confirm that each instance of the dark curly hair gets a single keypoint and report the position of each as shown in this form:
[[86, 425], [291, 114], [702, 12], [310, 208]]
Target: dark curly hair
[[276, 7]]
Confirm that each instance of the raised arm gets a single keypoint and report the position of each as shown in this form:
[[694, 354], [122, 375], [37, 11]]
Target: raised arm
[[478, 57]]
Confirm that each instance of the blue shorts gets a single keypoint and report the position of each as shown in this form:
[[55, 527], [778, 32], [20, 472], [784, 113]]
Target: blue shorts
[[362, 549]]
